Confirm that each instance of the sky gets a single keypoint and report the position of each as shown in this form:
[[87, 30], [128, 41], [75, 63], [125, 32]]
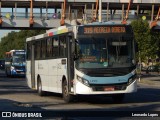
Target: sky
[[4, 32], [22, 10]]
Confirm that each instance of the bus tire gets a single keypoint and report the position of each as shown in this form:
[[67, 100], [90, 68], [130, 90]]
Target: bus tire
[[118, 98], [66, 96], [39, 88]]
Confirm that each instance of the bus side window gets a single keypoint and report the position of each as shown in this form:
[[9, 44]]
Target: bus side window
[[62, 40], [35, 50], [43, 43], [28, 51], [38, 49], [49, 47], [55, 45]]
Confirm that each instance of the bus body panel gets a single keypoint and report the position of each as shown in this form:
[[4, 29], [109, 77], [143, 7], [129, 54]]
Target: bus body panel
[[88, 91], [50, 72], [41, 69], [105, 82], [28, 73], [61, 72]]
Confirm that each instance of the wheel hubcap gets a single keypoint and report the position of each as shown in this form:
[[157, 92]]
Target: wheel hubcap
[[39, 87], [65, 91]]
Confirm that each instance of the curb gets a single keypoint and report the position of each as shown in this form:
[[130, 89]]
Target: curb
[[149, 82]]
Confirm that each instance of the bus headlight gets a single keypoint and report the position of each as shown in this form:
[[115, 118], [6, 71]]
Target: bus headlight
[[131, 79], [82, 80]]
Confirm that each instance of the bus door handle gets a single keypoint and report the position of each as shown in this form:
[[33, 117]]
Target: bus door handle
[[63, 61]]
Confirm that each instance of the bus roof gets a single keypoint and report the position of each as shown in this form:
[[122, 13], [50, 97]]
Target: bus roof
[[16, 50], [106, 23], [11, 51], [51, 32]]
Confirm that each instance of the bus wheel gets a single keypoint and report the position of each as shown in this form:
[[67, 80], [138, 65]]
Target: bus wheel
[[118, 98], [66, 96], [39, 88]]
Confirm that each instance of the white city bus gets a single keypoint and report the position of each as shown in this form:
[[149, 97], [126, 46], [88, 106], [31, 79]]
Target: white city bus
[[92, 59]]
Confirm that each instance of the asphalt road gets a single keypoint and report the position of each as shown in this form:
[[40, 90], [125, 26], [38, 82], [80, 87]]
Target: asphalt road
[[16, 96]]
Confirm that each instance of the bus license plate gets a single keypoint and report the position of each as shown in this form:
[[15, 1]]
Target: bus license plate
[[109, 89]]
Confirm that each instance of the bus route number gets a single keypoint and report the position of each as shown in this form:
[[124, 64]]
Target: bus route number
[[97, 30]]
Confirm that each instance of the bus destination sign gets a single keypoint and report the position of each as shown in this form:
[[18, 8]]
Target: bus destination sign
[[19, 52], [101, 30]]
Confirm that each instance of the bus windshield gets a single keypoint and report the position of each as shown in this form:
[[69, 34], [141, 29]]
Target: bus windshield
[[102, 52], [19, 59]]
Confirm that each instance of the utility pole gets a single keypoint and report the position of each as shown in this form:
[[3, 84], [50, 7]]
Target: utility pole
[[100, 10]]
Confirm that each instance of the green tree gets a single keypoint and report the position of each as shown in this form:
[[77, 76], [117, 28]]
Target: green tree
[[146, 39], [16, 40], [155, 40]]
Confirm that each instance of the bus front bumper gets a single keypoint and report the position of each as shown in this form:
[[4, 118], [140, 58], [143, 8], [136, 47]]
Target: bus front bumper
[[86, 90], [17, 73]]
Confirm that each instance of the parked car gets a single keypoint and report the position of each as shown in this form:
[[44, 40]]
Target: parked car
[[144, 68], [141, 67], [153, 68]]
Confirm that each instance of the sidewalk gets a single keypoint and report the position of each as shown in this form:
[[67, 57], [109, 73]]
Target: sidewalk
[[152, 79]]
